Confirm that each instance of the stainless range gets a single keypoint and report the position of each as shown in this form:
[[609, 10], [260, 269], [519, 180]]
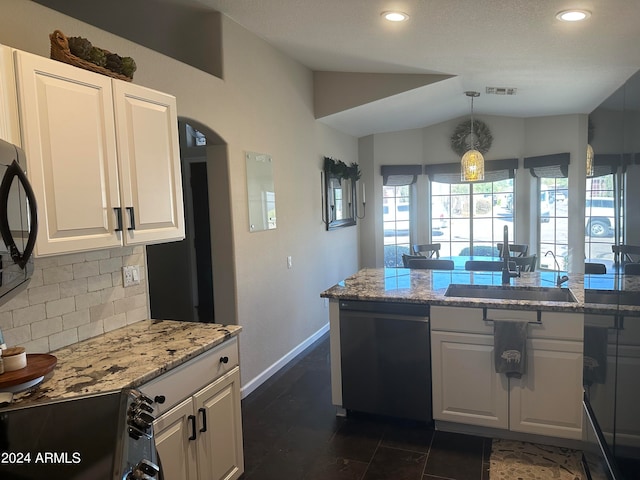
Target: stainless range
[[104, 436]]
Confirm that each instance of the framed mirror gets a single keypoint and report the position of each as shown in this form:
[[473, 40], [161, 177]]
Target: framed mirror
[[339, 192], [261, 192]]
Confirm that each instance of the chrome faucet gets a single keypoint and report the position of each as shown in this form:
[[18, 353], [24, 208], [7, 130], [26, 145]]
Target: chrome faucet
[[507, 273], [561, 279]]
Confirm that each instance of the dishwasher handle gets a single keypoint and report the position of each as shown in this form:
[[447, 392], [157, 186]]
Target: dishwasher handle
[[419, 310]]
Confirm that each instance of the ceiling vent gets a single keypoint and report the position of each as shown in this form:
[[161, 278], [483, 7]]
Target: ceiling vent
[[501, 91]]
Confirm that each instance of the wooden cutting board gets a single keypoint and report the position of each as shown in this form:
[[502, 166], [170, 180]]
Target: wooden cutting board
[[38, 365]]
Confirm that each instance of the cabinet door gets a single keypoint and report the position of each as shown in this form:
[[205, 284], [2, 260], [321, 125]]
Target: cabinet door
[[466, 388], [149, 155], [9, 121], [627, 408], [175, 444], [547, 400], [220, 455], [68, 136]]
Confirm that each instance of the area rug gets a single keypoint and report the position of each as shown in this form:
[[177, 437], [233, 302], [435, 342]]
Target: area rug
[[511, 460]]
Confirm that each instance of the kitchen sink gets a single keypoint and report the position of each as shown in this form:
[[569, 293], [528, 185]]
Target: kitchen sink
[[504, 292], [612, 297]]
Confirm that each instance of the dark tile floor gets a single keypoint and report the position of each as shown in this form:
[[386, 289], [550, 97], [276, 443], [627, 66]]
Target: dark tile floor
[[291, 432]]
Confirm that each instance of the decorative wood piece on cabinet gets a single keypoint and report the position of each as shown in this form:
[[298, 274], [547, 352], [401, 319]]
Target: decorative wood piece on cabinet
[[79, 130]]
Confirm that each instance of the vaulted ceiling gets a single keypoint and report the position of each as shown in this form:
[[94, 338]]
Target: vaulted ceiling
[[556, 67]]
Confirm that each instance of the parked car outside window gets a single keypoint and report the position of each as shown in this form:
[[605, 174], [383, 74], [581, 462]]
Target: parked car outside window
[[599, 216]]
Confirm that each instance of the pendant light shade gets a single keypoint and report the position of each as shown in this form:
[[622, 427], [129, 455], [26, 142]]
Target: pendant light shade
[[472, 164], [589, 161]]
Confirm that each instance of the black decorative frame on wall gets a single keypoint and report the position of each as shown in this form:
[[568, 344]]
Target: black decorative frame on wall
[[339, 193]]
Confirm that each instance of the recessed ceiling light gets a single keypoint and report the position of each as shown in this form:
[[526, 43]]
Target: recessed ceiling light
[[573, 15], [395, 16]]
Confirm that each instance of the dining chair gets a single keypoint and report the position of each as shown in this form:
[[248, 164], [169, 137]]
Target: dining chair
[[515, 249], [429, 250], [594, 268], [431, 263], [483, 266], [527, 263], [632, 269], [406, 258], [626, 253]]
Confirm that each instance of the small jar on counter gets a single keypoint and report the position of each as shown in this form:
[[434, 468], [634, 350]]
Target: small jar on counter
[[14, 358]]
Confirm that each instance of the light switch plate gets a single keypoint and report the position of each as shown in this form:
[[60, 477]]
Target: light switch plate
[[130, 275]]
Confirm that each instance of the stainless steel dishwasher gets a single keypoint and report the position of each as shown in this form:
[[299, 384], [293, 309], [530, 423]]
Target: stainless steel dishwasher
[[386, 358]]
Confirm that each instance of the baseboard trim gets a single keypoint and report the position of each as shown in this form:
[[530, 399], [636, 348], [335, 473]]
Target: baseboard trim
[[254, 383]]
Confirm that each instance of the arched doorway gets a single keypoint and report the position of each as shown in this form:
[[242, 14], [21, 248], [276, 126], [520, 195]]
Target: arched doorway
[[182, 275]]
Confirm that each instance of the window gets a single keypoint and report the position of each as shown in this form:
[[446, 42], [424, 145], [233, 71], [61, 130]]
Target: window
[[554, 223], [469, 218], [552, 172], [603, 216], [396, 219], [396, 210]]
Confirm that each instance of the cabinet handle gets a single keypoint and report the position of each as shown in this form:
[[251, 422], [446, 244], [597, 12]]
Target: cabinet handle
[[203, 411], [160, 399], [224, 359], [192, 419], [132, 218], [118, 212]]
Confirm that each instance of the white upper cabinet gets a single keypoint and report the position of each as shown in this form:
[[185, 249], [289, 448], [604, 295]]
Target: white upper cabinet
[[69, 139], [102, 157], [148, 153], [9, 121]]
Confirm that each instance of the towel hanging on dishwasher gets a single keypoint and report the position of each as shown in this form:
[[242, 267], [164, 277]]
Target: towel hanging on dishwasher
[[509, 343]]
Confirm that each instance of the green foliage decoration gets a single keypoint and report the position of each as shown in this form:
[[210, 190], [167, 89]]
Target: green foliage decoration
[[340, 169]]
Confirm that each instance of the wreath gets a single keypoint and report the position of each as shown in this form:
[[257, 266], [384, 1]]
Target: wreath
[[462, 138], [340, 169]]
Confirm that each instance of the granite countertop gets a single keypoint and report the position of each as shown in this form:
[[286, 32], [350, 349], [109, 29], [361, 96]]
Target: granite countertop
[[429, 286], [126, 357]]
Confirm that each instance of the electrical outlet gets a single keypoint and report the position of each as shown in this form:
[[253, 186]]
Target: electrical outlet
[[131, 275]]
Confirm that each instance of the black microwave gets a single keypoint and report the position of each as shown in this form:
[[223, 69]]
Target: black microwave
[[18, 222]]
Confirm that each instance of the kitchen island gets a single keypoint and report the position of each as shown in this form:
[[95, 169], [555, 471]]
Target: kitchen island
[[468, 395], [429, 287]]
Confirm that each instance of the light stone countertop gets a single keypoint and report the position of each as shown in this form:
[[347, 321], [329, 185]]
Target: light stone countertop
[[429, 286], [126, 357]]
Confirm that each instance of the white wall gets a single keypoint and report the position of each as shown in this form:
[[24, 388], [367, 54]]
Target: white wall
[[264, 104]]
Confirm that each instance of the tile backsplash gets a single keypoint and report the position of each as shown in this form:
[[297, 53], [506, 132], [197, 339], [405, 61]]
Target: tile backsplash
[[74, 297]]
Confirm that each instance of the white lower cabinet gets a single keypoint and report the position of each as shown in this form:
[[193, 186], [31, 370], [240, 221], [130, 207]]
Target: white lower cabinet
[[465, 386], [547, 400], [199, 437], [177, 452]]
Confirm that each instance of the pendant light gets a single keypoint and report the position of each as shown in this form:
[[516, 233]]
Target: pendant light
[[472, 160]]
